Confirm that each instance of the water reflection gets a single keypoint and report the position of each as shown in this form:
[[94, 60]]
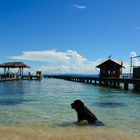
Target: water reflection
[[12, 87], [72, 124]]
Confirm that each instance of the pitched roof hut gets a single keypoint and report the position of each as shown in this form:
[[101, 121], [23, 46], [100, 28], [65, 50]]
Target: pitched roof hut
[[19, 65], [110, 68]]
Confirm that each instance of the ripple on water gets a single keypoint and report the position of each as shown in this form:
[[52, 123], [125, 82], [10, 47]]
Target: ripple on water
[[47, 103]]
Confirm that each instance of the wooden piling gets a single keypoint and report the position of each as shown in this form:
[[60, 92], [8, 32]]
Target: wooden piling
[[126, 86]]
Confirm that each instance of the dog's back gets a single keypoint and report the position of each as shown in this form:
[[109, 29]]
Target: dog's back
[[86, 114]]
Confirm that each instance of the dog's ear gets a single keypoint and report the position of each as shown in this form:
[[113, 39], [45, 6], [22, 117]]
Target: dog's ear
[[78, 103], [72, 106]]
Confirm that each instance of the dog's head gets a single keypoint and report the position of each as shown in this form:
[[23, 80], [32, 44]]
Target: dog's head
[[77, 104]]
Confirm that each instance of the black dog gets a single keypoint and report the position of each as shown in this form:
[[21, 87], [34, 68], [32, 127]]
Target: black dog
[[83, 113]]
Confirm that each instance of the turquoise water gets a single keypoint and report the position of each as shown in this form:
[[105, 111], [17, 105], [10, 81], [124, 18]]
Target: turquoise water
[[46, 103]]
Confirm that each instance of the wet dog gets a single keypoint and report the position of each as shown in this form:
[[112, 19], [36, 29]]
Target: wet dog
[[83, 113]]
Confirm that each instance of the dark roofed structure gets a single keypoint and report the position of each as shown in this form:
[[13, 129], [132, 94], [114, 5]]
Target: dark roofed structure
[[8, 65], [14, 65], [110, 68], [136, 72]]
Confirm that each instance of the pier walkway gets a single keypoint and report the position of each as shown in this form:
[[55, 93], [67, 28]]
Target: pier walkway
[[21, 78], [108, 82], [31, 77]]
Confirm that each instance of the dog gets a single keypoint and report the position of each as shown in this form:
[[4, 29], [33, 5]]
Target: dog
[[83, 113]]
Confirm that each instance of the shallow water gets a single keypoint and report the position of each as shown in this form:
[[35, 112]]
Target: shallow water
[[41, 110]]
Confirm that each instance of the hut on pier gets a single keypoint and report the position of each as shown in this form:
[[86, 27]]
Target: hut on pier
[[110, 68], [136, 72], [12, 65]]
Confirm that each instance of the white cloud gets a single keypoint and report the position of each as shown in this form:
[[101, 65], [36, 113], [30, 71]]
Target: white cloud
[[80, 7], [127, 67], [135, 62], [42, 56], [67, 62], [60, 62], [133, 54], [135, 58]]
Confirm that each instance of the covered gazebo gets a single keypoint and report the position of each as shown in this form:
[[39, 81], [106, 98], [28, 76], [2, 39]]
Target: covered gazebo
[[12, 65]]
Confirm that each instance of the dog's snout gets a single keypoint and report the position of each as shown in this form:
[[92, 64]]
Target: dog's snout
[[72, 105]]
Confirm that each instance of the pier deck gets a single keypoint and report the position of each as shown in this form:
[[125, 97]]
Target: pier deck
[[31, 77], [7, 79], [21, 78]]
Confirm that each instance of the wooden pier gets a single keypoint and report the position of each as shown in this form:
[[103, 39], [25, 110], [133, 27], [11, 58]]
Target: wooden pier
[[21, 78], [8, 75], [7, 79], [31, 77], [108, 81]]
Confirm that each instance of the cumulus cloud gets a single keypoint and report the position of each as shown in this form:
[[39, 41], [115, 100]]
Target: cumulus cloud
[[60, 62], [135, 62], [135, 58], [80, 7], [42, 56], [68, 61], [127, 67], [133, 54]]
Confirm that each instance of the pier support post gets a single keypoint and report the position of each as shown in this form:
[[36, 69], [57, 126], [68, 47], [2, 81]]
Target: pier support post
[[100, 82], [136, 87], [106, 83], [82, 80], [110, 83], [90, 81], [118, 84], [114, 84], [126, 86]]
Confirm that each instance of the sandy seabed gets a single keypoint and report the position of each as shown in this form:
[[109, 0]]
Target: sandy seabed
[[22, 133]]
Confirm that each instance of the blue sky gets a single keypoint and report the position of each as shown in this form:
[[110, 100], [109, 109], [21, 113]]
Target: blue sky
[[69, 36]]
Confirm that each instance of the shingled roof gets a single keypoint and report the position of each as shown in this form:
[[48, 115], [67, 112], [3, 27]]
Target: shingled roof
[[110, 61], [14, 65]]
